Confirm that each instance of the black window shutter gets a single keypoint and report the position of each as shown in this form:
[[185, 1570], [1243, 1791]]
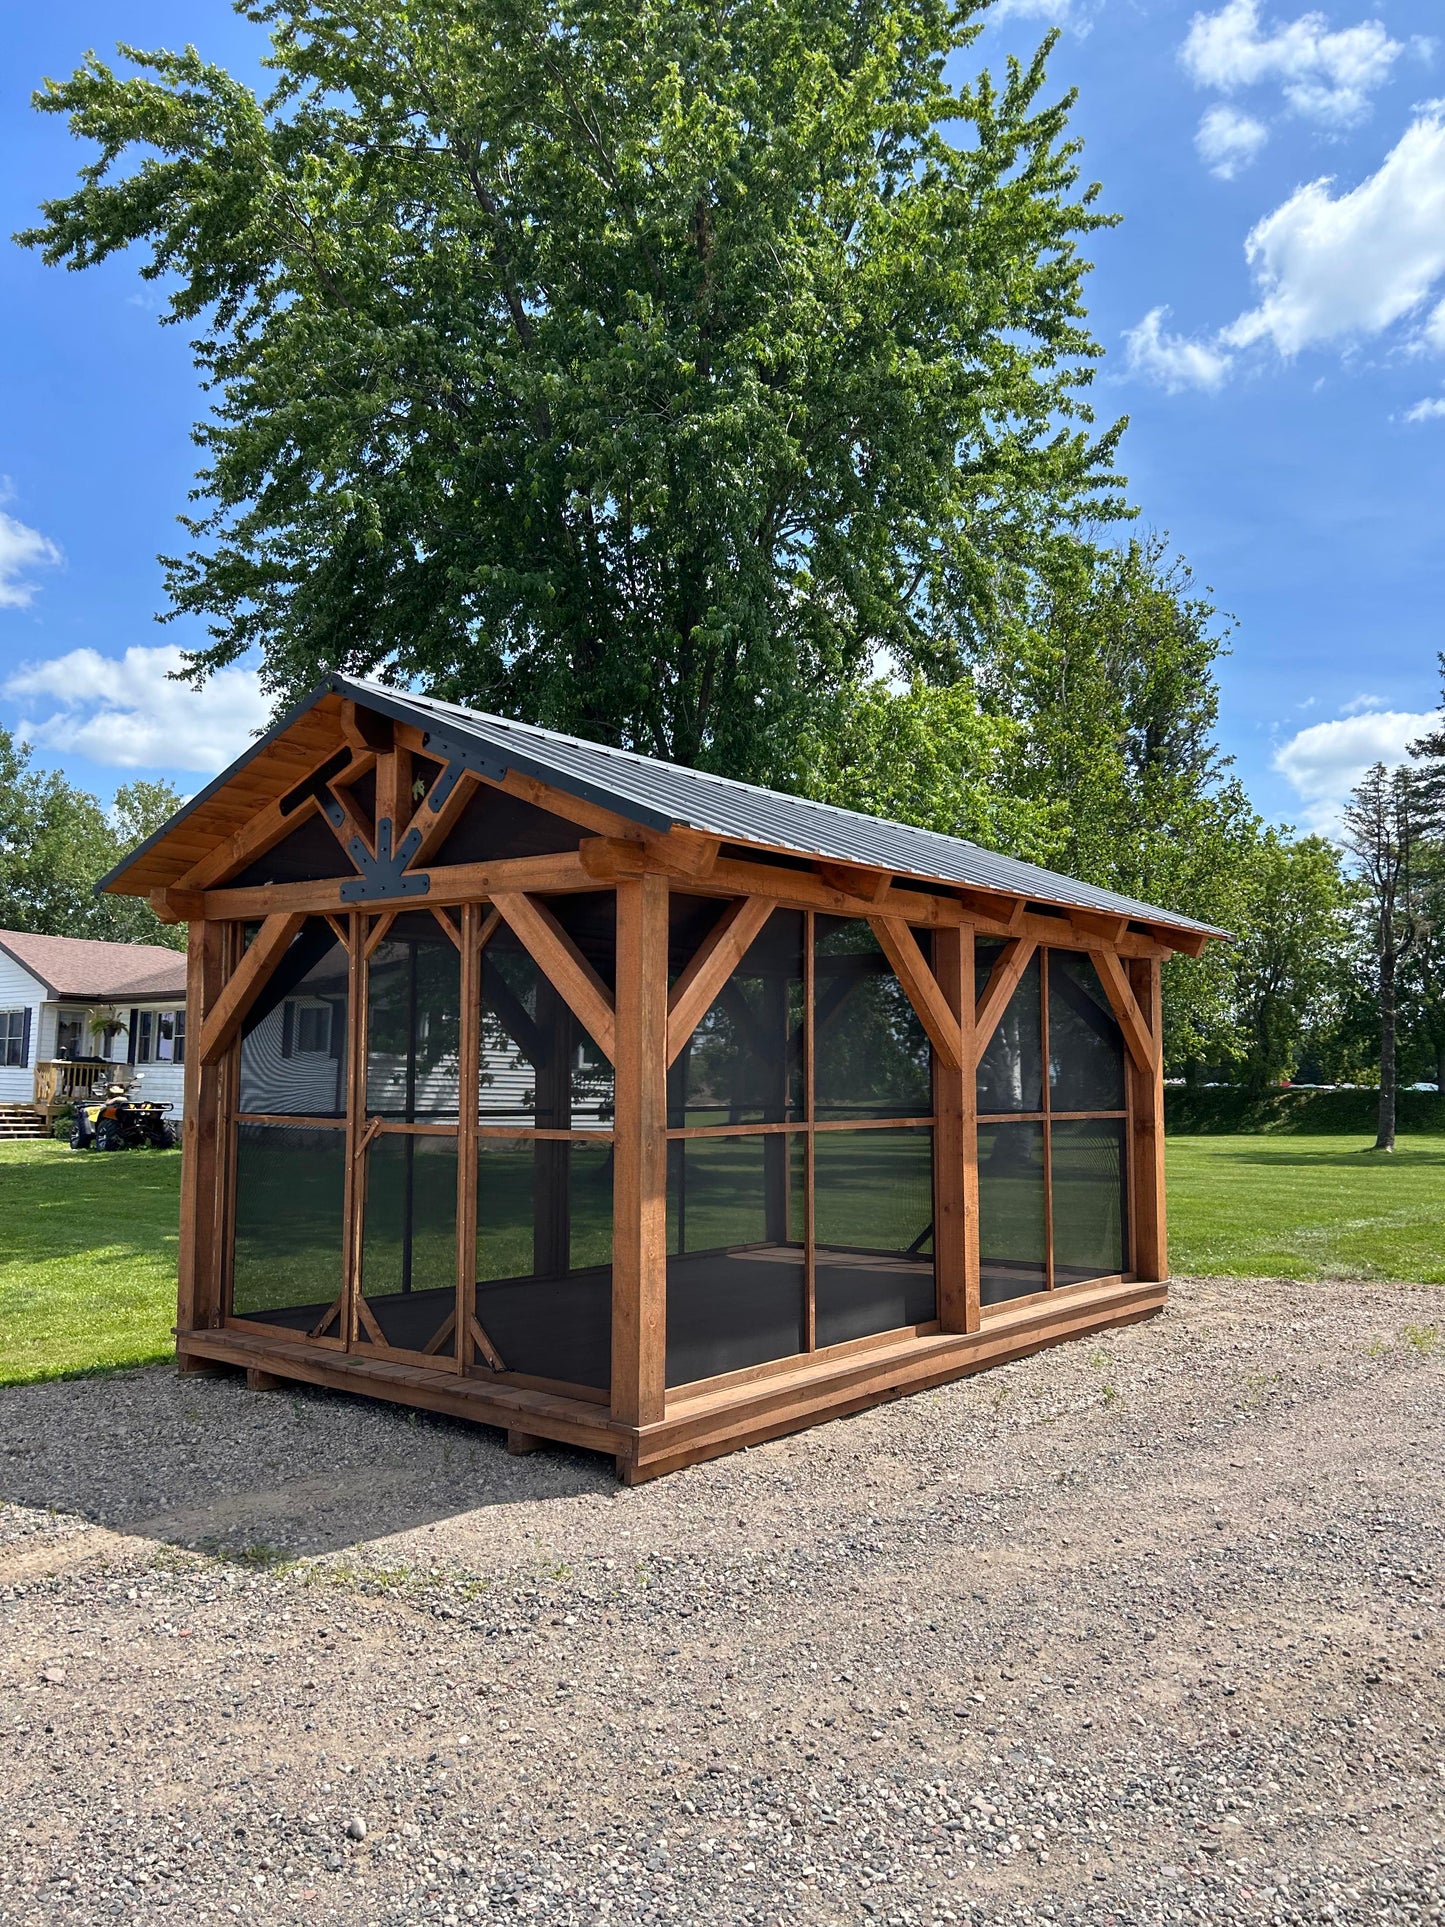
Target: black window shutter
[[178, 1047], [288, 1028], [130, 1043], [25, 1038]]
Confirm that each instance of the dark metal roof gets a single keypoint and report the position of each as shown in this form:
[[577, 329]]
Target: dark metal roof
[[662, 796]]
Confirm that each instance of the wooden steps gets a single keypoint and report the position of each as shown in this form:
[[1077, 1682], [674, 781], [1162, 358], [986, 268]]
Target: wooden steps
[[18, 1122]]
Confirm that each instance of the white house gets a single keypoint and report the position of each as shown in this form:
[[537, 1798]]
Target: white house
[[74, 1014]]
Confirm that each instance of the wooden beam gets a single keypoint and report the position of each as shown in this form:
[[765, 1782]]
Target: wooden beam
[[1002, 983], [264, 831], [339, 809], [1143, 1045], [1191, 942], [365, 728], [685, 854], [900, 947], [563, 964], [468, 1102], [1150, 1256], [1108, 929], [435, 825], [714, 961], [200, 1259], [870, 885], [457, 883], [955, 1144], [639, 1210], [247, 982], [393, 792], [1007, 912]]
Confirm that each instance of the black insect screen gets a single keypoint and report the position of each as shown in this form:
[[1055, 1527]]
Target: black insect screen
[[1012, 1221], [414, 1023], [293, 1043], [1011, 1071], [873, 1226], [735, 1270], [539, 1067], [871, 1054], [1086, 1046], [1090, 1201], [409, 1248], [290, 1234], [544, 1256], [744, 1062]]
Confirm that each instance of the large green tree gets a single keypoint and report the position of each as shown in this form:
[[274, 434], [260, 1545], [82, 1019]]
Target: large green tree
[[1291, 960], [641, 367], [56, 841], [1109, 672]]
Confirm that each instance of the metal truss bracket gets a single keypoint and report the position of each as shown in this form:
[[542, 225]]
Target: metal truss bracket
[[385, 874], [459, 754]]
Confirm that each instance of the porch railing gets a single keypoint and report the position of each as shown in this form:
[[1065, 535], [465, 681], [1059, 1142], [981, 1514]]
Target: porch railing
[[59, 1082]]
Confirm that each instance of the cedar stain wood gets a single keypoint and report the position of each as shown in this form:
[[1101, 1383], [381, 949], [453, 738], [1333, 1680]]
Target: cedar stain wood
[[385, 781]]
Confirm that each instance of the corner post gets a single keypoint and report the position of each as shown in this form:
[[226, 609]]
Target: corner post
[[1151, 1242], [955, 1149], [639, 1228], [201, 1258]]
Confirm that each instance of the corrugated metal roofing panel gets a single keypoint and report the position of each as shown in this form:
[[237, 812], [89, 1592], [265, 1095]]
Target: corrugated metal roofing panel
[[660, 795]]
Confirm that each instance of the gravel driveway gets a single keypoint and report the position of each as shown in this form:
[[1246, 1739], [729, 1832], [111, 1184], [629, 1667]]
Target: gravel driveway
[[1143, 1629]]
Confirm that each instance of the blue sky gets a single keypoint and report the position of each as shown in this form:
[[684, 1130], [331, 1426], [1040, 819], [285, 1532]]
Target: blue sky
[[1273, 310]]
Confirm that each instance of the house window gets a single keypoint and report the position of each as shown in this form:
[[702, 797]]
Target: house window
[[14, 1036], [178, 1039], [165, 1037], [145, 1037], [313, 1029]]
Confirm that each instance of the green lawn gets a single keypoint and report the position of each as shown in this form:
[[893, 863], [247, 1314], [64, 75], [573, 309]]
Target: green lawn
[[87, 1259], [88, 1243], [1307, 1207]]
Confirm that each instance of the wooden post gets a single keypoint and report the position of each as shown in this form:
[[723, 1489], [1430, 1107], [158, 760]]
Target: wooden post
[[955, 1144], [357, 1139], [199, 1272], [468, 1090], [1150, 1258], [639, 1200]]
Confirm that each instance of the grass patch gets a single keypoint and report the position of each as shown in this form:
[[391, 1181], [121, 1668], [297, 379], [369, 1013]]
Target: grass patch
[[87, 1259], [1317, 1207]]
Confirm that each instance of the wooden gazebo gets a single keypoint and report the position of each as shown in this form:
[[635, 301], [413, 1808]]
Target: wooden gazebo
[[605, 1101]]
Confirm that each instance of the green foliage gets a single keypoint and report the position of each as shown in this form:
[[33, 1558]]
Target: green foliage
[[57, 841], [1291, 961], [930, 757], [640, 369], [1213, 1110]]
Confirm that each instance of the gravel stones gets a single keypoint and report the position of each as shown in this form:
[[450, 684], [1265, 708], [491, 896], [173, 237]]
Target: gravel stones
[[1143, 1629]]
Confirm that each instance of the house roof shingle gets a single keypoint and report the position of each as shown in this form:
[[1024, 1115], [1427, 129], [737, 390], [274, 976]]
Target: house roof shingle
[[81, 967]]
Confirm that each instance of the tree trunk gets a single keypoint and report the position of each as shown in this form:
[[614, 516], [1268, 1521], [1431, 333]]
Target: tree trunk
[[1385, 1129]]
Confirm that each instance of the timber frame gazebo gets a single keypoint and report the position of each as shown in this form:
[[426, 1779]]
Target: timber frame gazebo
[[610, 1102]]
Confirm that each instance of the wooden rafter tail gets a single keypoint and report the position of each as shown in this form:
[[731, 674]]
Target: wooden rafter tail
[[1141, 1041], [856, 881], [714, 961], [483, 1343], [1003, 981], [247, 982], [563, 964], [900, 946]]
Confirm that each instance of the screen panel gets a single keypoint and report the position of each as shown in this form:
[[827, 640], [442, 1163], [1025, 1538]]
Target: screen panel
[[294, 1039], [1012, 1222], [744, 1062], [290, 1230], [544, 1256], [413, 1036], [1011, 1070], [873, 1229], [735, 1269], [539, 1067], [1086, 1045], [871, 1053], [409, 1242], [1090, 1199]]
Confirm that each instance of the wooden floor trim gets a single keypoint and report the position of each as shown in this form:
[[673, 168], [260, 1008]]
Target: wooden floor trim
[[716, 1419]]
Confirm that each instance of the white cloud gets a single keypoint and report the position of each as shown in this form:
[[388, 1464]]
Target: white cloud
[[1227, 140], [1362, 705], [1172, 360], [1324, 762], [1338, 268], [21, 550], [1429, 410], [1059, 13], [1323, 75], [124, 711]]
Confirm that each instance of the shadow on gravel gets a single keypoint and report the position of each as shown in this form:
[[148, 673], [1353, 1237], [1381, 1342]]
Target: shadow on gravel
[[207, 1464]]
